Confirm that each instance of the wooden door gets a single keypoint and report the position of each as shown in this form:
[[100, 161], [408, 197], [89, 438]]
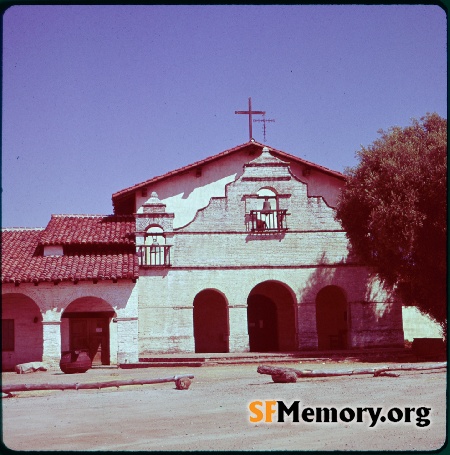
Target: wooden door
[[79, 339]]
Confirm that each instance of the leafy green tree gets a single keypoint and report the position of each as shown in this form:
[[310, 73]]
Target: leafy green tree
[[394, 210]]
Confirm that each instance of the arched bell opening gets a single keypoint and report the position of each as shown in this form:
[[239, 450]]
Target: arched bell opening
[[332, 318], [271, 318], [155, 250], [211, 325]]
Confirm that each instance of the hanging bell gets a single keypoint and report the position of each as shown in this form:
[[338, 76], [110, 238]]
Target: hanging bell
[[266, 207]]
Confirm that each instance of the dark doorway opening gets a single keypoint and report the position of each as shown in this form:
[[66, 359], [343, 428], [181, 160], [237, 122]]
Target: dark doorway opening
[[211, 329], [331, 319], [271, 317], [262, 324]]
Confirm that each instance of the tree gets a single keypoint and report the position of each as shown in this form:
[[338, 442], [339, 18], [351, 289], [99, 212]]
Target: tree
[[394, 210]]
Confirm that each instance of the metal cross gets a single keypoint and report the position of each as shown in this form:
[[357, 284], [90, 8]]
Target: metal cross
[[250, 113], [264, 120]]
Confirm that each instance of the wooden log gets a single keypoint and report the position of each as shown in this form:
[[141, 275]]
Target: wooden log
[[266, 369], [278, 372], [93, 385]]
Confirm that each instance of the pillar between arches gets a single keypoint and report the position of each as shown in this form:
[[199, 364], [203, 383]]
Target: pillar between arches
[[238, 341], [51, 354], [306, 326], [127, 339]]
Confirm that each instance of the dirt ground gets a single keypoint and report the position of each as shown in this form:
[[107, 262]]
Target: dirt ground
[[214, 414]]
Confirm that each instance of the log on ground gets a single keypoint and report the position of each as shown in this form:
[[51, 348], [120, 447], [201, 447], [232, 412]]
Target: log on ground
[[278, 373], [93, 385]]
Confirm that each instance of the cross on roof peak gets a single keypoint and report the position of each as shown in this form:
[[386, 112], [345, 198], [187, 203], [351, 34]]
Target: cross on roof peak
[[250, 113]]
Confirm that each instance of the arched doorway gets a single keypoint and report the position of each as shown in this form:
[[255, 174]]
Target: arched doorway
[[85, 326], [331, 318], [271, 318], [22, 331], [211, 329]]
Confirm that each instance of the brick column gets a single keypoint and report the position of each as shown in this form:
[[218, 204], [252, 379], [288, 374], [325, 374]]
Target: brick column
[[239, 341], [307, 328], [51, 342], [127, 340]]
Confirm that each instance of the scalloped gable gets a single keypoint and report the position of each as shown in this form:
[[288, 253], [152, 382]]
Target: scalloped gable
[[231, 212], [123, 200]]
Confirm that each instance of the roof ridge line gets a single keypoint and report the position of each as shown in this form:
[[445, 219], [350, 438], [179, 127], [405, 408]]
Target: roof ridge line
[[19, 228], [86, 215]]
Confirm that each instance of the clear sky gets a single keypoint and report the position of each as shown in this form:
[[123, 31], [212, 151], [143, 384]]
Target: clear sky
[[98, 98]]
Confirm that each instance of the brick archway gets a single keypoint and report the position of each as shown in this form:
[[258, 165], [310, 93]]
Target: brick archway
[[211, 328], [271, 318], [87, 328]]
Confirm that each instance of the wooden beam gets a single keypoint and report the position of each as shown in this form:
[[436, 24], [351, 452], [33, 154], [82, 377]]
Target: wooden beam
[[279, 373], [182, 383]]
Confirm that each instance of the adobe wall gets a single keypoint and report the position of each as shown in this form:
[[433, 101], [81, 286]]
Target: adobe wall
[[166, 305], [293, 249]]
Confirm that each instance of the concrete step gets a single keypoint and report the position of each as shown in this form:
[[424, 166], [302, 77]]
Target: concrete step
[[169, 359], [210, 359], [160, 364]]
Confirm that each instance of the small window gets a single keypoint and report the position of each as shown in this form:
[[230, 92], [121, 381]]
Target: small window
[[7, 334]]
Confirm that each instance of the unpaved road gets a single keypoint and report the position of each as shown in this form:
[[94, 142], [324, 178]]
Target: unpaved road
[[213, 414]]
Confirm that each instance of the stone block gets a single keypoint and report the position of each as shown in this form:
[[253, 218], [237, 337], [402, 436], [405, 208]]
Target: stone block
[[30, 367]]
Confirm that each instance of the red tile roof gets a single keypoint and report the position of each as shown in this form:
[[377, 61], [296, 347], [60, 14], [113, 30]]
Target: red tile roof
[[251, 144], [23, 262], [89, 229]]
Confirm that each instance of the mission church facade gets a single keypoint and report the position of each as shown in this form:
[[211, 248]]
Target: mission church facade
[[238, 252]]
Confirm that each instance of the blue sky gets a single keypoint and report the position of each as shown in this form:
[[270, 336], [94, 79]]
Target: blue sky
[[98, 98]]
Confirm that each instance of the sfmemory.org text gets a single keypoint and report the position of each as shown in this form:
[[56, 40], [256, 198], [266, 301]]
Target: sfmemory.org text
[[277, 411]]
